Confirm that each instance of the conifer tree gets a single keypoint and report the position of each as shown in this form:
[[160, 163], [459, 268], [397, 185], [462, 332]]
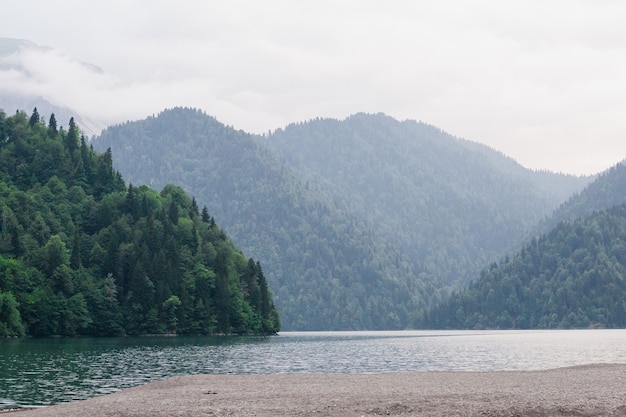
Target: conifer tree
[[205, 215], [52, 126], [34, 118], [72, 137]]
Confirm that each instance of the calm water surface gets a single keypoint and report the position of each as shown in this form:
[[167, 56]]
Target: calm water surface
[[48, 371]]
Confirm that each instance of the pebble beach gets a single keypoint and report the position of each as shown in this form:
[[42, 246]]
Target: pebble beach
[[590, 390]]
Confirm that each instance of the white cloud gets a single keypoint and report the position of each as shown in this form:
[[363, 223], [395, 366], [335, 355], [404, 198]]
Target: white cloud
[[544, 82]]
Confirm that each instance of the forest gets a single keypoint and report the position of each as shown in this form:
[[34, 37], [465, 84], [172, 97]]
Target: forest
[[84, 253], [572, 277], [366, 223], [360, 223]]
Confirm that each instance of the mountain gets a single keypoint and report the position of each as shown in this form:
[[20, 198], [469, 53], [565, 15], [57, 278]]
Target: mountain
[[17, 102], [326, 269], [361, 223], [606, 191], [82, 253], [450, 204], [18, 71], [572, 277]]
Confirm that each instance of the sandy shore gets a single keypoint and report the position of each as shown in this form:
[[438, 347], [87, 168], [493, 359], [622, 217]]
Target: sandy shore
[[597, 390]]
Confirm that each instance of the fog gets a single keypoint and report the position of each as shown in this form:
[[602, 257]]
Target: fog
[[543, 82]]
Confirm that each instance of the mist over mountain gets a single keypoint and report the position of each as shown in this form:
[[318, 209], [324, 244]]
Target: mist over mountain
[[15, 102], [25, 70], [361, 223]]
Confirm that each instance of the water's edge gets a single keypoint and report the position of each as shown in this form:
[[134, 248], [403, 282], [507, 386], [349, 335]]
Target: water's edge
[[40, 372]]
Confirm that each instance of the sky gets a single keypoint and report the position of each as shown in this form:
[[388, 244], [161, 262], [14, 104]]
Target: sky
[[544, 82]]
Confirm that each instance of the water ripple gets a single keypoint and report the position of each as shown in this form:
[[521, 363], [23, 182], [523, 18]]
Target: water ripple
[[49, 371]]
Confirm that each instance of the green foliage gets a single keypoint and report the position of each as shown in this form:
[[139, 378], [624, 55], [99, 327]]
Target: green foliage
[[450, 205], [572, 277], [10, 320], [83, 254], [361, 223], [327, 270], [606, 191]]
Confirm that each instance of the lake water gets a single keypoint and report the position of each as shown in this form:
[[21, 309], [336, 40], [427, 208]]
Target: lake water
[[48, 371]]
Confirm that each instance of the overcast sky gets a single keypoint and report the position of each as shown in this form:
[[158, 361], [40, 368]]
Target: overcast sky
[[542, 81]]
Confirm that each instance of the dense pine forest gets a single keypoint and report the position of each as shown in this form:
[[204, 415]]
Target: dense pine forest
[[449, 204], [84, 253], [360, 223], [327, 271], [572, 277], [606, 191]]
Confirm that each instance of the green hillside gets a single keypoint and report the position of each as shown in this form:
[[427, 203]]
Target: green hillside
[[450, 205], [83, 253], [327, 270], [572, 277], [606, 191], [360, 224]]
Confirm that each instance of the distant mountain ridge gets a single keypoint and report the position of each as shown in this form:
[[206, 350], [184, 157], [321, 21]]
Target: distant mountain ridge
[[571, 276], [361, 223], [11, 100], [606, 191], [316, 256], [410, 179]]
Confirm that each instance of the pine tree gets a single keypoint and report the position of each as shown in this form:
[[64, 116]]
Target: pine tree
[[52, 126], [194, 207], [205, 215], [34, 119], [72, 137]]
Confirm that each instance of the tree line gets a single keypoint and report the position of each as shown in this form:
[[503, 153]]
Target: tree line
[[83, 253], [572, 277]]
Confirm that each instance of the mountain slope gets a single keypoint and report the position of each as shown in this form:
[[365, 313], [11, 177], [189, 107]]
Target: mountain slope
[[326, 269], [450, 204], [400, 212], [571, 277], [606, 191], [83, 254]]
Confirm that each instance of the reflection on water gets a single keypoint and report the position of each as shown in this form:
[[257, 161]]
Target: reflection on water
[[48, 371]]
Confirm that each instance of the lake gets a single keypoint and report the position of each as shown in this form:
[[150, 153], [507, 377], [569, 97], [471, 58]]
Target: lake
[[47, 371]]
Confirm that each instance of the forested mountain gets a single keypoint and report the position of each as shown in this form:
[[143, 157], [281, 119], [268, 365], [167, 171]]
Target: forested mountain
[[82, 253], [326, 269], [360, 223], [451, 205], [570, 277], [606, 191]]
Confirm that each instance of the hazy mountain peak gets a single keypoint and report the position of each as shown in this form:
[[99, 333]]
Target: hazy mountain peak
[[26, 82], [10, 46]]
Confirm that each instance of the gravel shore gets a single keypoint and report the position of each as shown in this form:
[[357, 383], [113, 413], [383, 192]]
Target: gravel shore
[[594, 390]]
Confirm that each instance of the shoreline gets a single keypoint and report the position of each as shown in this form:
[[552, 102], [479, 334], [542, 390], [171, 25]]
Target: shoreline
[[589, 390]]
